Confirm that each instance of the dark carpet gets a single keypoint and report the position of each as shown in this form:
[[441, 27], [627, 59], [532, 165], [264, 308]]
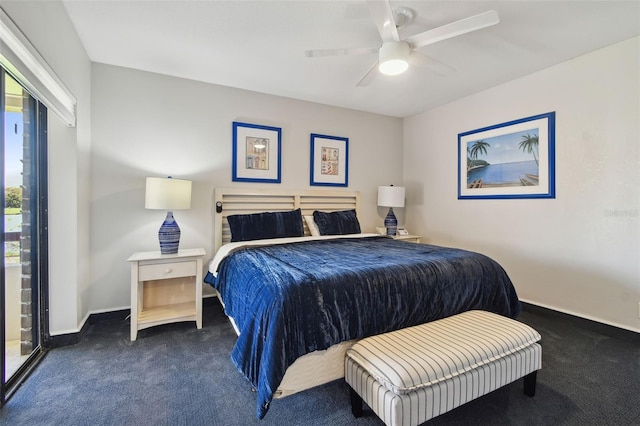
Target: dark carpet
[[178, 375]]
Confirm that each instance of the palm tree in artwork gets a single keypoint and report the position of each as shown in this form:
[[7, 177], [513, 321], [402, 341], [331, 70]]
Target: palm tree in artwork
[[529, 144], [478, 147]]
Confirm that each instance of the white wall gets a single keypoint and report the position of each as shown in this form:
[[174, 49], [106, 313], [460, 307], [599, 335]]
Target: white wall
[[578, 253], [148, 124], [49, 29]]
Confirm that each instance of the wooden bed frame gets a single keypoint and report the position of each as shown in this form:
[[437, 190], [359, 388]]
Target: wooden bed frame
[[318, 367]]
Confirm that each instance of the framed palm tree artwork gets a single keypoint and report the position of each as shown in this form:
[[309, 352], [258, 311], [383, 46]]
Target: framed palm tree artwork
[[515, 159]]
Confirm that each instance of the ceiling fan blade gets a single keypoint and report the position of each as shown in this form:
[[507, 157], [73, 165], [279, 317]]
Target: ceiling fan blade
[[454, 29], [383, 18], [339, 52], [369, 76], [423, 61]]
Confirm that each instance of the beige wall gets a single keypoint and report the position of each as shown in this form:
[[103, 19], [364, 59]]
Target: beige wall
[[578, 253], [148, 124]]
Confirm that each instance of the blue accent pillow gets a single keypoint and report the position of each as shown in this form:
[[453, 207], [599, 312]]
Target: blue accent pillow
[[337, 223], [260, 226]]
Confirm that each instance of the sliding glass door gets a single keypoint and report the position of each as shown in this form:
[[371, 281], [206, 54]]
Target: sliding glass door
[[23, 231]]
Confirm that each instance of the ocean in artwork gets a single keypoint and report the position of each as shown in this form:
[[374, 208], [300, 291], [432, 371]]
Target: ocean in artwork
[[503, 173]]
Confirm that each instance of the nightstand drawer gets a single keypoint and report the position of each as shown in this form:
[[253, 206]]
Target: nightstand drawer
[[166, 270]]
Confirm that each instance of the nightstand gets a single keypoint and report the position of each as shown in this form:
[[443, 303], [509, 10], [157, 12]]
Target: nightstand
[[165, 288], [408, 238]]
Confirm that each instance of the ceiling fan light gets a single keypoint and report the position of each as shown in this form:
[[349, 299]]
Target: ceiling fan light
[[393, 66], [393, 58]]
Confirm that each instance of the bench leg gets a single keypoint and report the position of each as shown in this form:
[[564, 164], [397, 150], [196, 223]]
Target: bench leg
[[356, 403], [530, 384]]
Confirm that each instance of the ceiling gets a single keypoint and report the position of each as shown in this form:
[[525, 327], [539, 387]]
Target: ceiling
[[260, 45]]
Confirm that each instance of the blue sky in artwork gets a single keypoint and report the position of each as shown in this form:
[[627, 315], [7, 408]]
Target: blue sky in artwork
[[504, 148]]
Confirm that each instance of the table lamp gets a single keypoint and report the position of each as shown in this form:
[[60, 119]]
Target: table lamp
[[391, 196], [168, 194]]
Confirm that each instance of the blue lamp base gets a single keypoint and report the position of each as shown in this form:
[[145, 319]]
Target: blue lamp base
[[391, 223], [169, 235]]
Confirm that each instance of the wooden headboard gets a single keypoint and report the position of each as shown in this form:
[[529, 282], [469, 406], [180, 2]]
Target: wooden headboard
[[258, 200]]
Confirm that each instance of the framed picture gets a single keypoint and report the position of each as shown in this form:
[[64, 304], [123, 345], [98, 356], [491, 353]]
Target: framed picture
[[509, 160], [256, 153], [329, 160]]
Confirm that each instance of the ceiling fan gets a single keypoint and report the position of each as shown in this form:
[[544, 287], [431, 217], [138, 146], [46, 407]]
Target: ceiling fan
[[394, 55]]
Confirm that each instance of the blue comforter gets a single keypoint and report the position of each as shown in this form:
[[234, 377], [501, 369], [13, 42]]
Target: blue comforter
[[291, 299]]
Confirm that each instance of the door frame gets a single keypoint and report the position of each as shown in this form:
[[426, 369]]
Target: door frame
[[39, 240]]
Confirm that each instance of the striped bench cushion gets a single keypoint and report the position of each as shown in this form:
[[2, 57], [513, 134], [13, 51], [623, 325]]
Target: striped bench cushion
[[420, 356]]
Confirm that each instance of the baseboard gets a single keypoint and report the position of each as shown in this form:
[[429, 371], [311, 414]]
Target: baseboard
[[585, 324], [106, 317], [68, 339]]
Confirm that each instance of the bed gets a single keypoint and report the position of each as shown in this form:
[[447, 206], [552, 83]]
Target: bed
[[299, 302]]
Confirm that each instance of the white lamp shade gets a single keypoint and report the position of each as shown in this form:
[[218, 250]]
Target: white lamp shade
[[167, 194], [391, 196]]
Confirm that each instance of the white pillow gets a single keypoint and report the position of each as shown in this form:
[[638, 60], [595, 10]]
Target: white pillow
[[311, 224]]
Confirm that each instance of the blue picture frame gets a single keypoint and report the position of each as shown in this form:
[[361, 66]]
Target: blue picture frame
[[329, 160], [257, 153], [515, 159]]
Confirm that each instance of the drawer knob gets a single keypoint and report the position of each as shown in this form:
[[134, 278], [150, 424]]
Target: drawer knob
[[167, 271]]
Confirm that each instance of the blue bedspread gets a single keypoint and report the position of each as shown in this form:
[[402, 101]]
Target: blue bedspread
[[292, 299]]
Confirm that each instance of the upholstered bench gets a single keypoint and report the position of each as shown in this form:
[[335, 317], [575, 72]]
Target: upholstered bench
[[411, 375]]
